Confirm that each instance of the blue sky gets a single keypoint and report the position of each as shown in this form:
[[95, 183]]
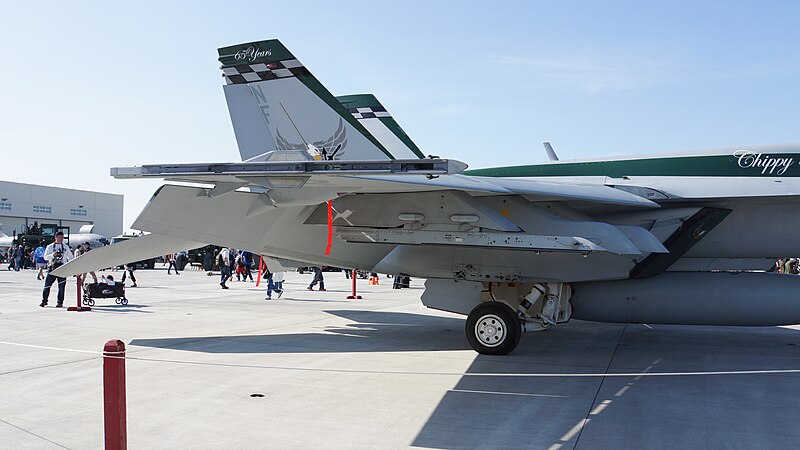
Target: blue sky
[[91, 85]]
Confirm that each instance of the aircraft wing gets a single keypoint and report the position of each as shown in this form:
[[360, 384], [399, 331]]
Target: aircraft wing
[[539, 189], [137, 249], [330, 178]]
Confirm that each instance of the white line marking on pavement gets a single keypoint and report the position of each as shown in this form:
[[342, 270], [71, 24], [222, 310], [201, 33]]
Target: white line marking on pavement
[[599, 408], [574, 430], [637, 375], [521, 394]]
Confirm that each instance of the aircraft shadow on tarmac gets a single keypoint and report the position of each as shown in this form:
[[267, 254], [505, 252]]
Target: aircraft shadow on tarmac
[[290, 299], [129, 308], [369, 331], [709, 411]]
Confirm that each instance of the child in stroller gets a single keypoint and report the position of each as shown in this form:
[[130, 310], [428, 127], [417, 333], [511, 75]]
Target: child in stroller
[[105, 288]]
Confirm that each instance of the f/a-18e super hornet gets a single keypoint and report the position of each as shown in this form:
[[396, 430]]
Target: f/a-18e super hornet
[[673, 239]]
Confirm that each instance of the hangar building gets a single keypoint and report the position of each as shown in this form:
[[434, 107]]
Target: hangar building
[[23, 204]]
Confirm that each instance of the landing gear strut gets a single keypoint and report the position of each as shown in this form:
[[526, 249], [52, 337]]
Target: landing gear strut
[[493, 328]]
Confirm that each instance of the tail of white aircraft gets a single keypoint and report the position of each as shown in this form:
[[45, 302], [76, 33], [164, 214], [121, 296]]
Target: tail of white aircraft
[[86, 229], [275, 103]]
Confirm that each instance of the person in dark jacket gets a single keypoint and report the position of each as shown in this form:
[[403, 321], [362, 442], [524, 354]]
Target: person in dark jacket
[[18, 252]]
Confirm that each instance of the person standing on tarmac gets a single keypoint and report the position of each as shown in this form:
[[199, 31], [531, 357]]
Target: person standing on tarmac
[[38, 259], [224, 260], [172, 260], [274, 283], [18, 257], [56, 254], [232, 262], [239, 266], [129, 269], [82, 250], [318, 278], [247, 261]]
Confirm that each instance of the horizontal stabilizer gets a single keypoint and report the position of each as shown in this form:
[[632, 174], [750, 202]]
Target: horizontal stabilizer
[[137, 249]]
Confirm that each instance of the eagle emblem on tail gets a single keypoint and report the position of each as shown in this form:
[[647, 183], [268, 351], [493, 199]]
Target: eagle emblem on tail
[[326, 149]]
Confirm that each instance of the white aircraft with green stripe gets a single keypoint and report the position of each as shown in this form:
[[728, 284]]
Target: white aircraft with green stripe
[[679, 239]]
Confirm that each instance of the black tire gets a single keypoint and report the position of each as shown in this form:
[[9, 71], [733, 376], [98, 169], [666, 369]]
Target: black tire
[[493, 328], [124, 301], [91, 302]]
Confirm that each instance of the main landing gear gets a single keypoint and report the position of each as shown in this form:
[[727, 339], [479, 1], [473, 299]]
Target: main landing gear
[[493, 328]]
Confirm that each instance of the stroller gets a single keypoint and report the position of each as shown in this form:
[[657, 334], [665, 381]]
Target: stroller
[[103, 290]]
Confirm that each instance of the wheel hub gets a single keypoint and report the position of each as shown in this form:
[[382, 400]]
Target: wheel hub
[[490, 330]]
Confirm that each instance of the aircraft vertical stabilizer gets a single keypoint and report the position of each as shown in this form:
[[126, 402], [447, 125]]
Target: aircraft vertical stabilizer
[[377, 120], [277, 104]]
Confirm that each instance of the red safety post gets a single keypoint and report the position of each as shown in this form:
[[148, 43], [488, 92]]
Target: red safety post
[[79, 307], [114, 407], [354, 296], [260, 269], [330, 228]]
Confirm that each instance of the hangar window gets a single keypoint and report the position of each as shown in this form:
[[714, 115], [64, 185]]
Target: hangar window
[[43, 209], [77, 211], [5, 206]]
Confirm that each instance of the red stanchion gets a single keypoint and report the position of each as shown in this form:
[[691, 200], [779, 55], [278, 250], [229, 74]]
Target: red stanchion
[[354, 296], [330, 228], [260, 269], [114, 407], [79, 307]]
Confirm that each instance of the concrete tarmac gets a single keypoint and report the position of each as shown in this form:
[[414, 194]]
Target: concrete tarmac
[[382, 372]]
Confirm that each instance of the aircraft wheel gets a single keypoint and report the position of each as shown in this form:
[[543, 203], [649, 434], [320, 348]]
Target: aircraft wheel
[[493, 329], [124, 301]]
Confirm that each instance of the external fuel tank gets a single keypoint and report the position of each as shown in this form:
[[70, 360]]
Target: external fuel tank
[[692, 298]]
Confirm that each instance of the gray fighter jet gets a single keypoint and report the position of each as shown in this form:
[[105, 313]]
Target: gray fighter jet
[[676, 239]]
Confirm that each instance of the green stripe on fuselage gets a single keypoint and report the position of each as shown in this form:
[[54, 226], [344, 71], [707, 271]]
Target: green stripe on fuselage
[[733, 165]]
